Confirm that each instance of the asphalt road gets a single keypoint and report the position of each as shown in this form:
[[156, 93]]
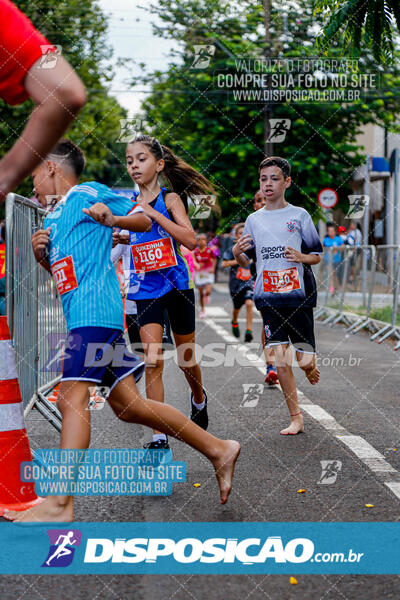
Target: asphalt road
[[360, 397]]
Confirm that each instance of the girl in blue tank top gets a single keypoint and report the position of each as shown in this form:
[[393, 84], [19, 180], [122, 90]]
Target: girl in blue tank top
[[165, 280]]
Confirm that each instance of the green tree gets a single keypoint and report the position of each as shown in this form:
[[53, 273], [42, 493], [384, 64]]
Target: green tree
[[224, 139], [360, 24], [80, 28]]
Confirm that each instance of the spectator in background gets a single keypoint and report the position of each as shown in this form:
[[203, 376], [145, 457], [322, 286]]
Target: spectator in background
[[333, 240], [2, 270], [354, 234], [342, 233], [354, 238]]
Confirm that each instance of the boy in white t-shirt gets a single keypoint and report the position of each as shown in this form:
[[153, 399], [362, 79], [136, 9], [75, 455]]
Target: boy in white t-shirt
[[284, 243]]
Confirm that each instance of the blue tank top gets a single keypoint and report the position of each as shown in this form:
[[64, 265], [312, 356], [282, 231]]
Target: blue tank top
[[157, 264]]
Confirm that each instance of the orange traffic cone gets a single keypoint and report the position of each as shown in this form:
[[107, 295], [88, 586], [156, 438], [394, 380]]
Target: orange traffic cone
[[54, 394], [14, 443]]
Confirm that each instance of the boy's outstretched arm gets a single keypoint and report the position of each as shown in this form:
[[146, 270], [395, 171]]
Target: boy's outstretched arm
[[57, 92], [136, 221], [59, 95]]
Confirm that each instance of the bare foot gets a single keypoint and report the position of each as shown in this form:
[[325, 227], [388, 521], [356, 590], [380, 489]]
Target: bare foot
[[47, 511], [224, 467], [295, 427], [312, 374]]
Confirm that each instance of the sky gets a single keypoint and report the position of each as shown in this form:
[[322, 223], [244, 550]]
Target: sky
[[130, 35]]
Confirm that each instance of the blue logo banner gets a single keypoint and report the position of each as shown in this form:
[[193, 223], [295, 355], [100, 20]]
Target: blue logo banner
[[200, 548]]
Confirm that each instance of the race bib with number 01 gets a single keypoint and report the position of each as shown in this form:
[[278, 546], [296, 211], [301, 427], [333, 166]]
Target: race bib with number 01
[[64, 275], [282, 281], [152, 256], [243, 274]]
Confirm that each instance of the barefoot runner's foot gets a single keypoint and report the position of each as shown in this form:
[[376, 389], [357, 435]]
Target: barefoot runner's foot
[[312, 374], [296, 426], [52, 509], [224, 468]]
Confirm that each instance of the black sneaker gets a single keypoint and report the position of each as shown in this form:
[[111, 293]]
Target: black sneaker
[[157, 445], [248, 336], [200, 417]]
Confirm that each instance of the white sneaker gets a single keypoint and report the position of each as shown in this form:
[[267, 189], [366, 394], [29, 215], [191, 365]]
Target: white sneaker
[[202, 314]]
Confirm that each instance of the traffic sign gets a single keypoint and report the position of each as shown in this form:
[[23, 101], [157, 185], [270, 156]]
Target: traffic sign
[[328, 198]]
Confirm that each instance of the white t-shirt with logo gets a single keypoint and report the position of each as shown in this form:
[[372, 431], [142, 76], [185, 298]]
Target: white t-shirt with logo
[[281, 282]]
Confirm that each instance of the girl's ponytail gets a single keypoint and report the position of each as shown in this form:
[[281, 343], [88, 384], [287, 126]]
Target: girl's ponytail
[[182, 179]]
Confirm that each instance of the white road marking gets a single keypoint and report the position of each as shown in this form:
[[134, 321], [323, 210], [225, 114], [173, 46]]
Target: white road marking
[[229, 319], [362, 449], [215, 311]]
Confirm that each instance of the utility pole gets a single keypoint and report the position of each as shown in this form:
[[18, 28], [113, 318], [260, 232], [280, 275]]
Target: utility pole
[[268, 106]]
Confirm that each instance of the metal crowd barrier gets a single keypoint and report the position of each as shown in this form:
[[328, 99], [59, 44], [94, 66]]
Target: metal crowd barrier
[[34, 310], [377, 284]]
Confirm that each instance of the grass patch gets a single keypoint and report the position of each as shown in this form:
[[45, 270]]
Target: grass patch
[[383, 313]]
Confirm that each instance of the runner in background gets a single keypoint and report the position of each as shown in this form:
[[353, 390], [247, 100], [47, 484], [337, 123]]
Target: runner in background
[[58, 94], [240, 288], [215, 247], [165, 280], [204, 264], [271, 376], [284, 242], [188, 254], [121, 251]]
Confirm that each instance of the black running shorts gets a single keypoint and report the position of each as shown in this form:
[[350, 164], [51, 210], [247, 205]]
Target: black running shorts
[[179, 305], [241, 296], [289, 324]]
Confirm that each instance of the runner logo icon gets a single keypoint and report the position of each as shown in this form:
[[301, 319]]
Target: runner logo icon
[[62, 547]]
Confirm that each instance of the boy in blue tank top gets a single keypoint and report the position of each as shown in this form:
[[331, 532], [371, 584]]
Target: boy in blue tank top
[[76, 249]]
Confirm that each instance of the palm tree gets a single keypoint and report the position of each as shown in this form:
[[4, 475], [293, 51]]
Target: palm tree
[[360, 23]]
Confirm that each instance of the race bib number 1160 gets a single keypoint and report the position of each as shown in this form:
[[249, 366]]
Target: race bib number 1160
[[152, 256]]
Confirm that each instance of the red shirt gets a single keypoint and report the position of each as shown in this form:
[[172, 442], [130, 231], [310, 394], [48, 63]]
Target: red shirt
[[19, 49], [205, 258], [2, 259]]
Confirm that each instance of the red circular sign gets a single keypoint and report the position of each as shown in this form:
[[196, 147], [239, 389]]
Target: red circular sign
[[328, 198]]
